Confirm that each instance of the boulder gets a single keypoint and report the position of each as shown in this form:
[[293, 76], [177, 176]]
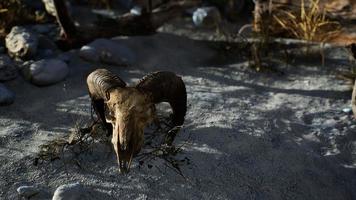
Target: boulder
[[7, 97], [8, 70], [108, 52], [21, 42], [46, 72]]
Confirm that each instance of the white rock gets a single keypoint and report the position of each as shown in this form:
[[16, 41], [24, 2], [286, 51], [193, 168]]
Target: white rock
[[27, 191], [6, 96], [207, 17], [8, 70], [21, 42], [347, 110], [107, 51], [136, 10], [73, 191], [46, 72]]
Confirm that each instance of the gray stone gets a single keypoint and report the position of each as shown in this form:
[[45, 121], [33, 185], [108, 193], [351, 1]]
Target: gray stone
[[207, 17], [46, 72], [8, 70], [27, 191], [21, 42], [73, 191], [107, 51], [7, 97]]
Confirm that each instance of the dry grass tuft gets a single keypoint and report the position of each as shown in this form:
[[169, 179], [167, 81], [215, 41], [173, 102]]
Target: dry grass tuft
[[309, 23]]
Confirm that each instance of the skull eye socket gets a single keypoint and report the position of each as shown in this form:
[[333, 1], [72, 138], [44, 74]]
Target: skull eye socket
[[109, 114]]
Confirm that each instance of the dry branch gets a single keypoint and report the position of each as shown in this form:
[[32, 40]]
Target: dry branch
[[127, 24]]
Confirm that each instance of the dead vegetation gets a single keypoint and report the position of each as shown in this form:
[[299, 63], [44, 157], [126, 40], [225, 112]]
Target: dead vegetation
[[309, 22], [81, 142], [15, 12]]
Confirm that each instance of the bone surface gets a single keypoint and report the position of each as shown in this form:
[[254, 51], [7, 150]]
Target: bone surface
[[130, 109]]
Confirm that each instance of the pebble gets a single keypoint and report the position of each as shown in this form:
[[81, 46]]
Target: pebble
[[107, 51], [27, 191], [21, 42], [347, 110], [46, 72], [8, 70], [74, 191], [7, 97]]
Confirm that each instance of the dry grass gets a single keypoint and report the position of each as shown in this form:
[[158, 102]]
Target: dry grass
[[309, 23], [83, 141], [14, 12]]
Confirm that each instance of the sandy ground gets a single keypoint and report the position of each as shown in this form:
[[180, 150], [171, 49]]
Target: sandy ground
[[249, 135]]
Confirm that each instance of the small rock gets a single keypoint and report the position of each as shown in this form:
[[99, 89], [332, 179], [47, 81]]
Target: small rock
[[329, 123], [347, 110], [107, 51], [27, 191], [21, 42], [208, 17], [7, 97], [136, 10], [73, 191], [46, 72], [8, 70]]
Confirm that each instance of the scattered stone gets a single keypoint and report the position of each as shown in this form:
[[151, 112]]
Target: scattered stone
[[208, 17], [27, 191], [73, 191], [21, 42], [107, 51], [8, 70], [7, 97], [347, 110], [136, 10], [46, 72]]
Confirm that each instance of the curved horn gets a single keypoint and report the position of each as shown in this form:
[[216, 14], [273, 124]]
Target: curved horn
[[101, 81], [167, 87]]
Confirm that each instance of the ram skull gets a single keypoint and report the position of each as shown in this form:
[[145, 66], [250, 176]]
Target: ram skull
[[126, 111]]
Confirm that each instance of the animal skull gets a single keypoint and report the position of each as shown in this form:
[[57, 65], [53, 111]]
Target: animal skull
[[128, 110]]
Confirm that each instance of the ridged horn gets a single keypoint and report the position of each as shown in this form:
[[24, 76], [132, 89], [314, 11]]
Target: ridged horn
[[101, 81], [167, 87]]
